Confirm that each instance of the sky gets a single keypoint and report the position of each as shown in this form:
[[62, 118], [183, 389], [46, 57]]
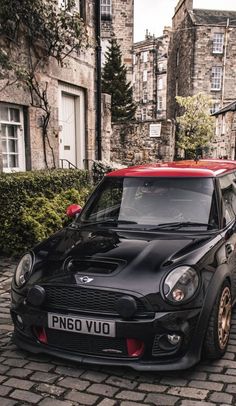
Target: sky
[[153, 15]]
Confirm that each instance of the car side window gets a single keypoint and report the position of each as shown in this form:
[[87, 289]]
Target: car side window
[[228, 190]]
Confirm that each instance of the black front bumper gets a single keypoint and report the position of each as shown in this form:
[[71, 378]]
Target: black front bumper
[[85, 348]]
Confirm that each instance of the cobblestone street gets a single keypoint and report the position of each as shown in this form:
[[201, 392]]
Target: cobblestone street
[[26, 379]]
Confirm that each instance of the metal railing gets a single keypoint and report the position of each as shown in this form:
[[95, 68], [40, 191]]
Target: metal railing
[[65, 164]]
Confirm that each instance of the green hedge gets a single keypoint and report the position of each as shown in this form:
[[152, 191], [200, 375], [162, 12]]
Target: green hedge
[[32, 205]]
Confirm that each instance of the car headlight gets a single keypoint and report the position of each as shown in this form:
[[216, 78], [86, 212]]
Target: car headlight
[[23, 270], [181, 284]]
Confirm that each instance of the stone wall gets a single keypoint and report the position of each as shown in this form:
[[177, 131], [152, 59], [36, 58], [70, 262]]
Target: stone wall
[[106, 127], [131, 144], [223, 144], [121, 25], [78, 71]]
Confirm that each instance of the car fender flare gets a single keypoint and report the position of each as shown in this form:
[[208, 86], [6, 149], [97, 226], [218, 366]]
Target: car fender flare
[[220, 275]]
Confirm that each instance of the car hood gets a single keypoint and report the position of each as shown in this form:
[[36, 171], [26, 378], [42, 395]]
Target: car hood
[[114, 258]]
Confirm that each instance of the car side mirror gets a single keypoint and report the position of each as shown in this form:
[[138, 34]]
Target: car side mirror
[[72, 210]]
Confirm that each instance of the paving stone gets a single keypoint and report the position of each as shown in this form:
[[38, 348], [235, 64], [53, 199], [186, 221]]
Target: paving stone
[[4, 390], [19, 372], [121, 383], [15, 362], [189, 392], [161, 400], [76, 373], [147, 387], [73, 383], [54, 402], [18, 383], [102, 389], [7, 402], [130, 395], [222, 378], [51, 389], [109, 402], [221, 397], [206, 385], [44, 377], [174, 381], [131, 404], [81, 397], [196, 403], [29, 397], [94, 376], [37, 366]]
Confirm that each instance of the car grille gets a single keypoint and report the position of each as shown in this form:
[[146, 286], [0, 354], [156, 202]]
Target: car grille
[[86, 299], [87, 344]]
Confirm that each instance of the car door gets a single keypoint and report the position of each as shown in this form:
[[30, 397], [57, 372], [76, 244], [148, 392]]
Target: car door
[[228, 192]]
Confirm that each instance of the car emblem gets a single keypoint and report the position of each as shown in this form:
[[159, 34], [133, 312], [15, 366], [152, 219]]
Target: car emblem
[[85, 279]]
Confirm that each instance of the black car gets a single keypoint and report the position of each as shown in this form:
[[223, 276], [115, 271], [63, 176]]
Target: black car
[[144, 276]]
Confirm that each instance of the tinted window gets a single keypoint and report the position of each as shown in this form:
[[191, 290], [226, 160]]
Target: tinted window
[[228, 190], [152, 201]]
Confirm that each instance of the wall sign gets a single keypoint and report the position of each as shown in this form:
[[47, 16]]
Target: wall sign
[[155, 130]]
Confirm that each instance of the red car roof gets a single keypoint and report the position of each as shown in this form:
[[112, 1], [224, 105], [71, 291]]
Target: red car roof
[[201, 168]]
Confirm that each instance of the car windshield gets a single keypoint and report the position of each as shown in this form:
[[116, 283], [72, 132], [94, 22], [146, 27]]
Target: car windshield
[[150, 202]]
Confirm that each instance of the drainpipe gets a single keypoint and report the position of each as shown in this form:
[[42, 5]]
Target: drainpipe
[[98, 65], [224, 63]]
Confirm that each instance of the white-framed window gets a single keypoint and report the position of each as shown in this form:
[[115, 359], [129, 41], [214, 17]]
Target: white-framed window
[[145, 96], [134, 59], [145, 75], [160, 67], [216, 78], [144, 114], [159, 103], [145, 56], [218, 43], [12, 138], [106, 8], [160, 84], [214, 108]]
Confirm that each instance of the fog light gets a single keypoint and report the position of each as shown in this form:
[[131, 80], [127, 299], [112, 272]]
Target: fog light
[[135, 347], [173, 339]]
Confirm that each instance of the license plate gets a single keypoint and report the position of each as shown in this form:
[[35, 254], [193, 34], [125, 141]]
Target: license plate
[[81, 325]]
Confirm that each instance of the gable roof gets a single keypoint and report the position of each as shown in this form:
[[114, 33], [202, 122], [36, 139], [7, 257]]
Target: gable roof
[[229, 107], [213, 17]]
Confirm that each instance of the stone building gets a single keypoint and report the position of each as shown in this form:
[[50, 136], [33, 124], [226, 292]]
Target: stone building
[[223, 145], [72, 96], [202, 55], [117, 18], [150, 76]]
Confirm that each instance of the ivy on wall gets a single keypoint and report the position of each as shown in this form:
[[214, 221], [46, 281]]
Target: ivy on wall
[[32, 33]]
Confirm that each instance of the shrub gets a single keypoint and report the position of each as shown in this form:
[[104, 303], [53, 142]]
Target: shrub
[[33, 205]]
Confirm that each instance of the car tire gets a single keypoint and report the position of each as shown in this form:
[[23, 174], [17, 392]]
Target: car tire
[[218, 331]]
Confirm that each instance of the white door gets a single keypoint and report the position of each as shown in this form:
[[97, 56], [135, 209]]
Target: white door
[[72, 126], [68, 130]]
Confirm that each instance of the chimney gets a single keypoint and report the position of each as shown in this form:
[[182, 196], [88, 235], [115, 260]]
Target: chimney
[[181, 10]]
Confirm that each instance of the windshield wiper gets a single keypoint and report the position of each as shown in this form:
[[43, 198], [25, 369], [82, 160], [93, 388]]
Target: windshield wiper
[[107, 221], [180, 224]]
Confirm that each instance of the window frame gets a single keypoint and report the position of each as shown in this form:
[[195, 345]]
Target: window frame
[[19, 139], [216, 78], [218, 45], [106, 9]]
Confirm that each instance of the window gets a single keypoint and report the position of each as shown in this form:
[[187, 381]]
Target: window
[[215, 107], [12, 138], [145, 56], [106, 9], [160, 84], [228, 190], [218, 43], [145, 75], [144, 114], [159, 103], [216, 78], [145, 96]]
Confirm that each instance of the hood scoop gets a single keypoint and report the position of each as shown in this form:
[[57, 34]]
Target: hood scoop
[[91, 266]]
